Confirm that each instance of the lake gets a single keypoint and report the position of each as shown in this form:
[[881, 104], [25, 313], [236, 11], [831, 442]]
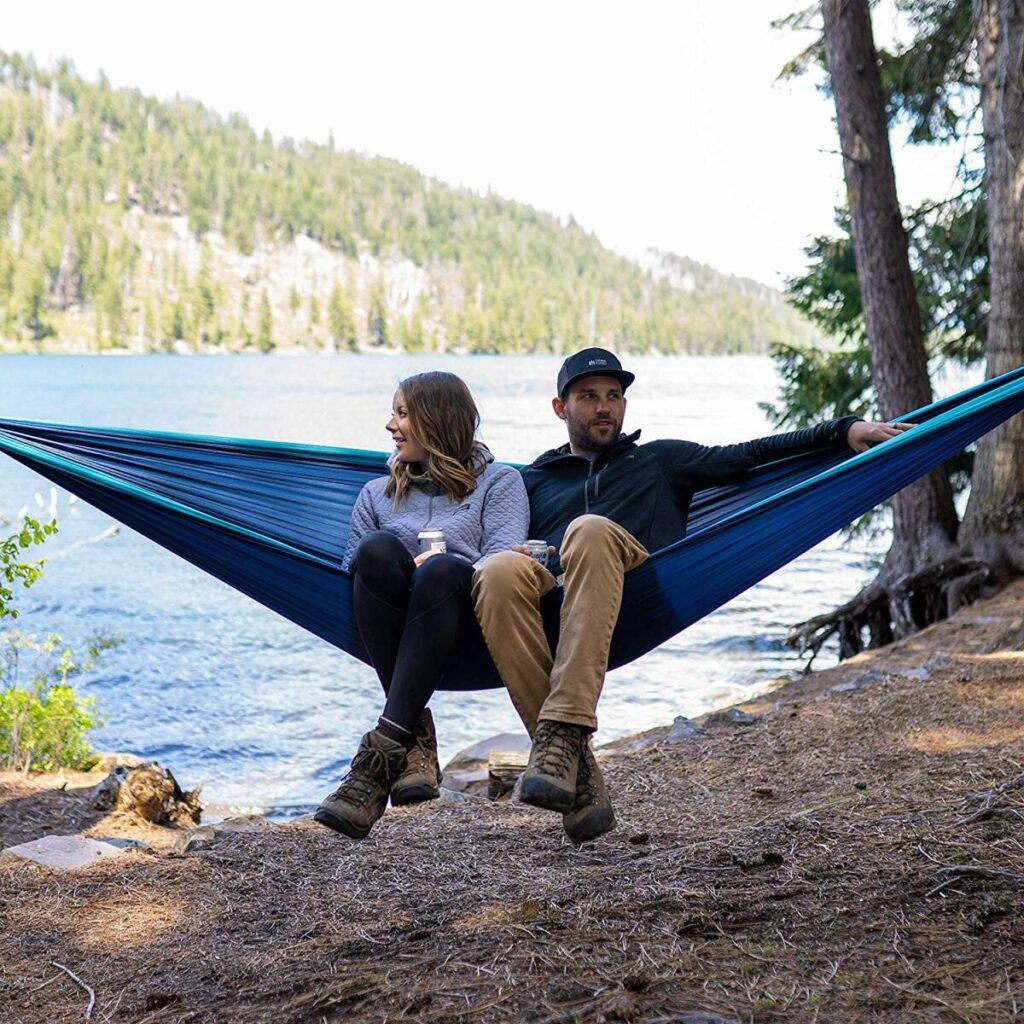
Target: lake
[[226, 693]]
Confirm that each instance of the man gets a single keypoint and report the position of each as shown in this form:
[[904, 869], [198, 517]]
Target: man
[[603, 502]]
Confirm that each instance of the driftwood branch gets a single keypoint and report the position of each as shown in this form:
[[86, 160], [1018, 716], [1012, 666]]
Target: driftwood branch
[[81, 984]]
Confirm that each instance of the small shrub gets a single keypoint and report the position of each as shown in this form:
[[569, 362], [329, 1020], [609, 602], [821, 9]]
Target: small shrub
[[44, 722]]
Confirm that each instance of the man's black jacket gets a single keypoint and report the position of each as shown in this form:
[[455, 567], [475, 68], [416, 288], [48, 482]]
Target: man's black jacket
[[648, 488]]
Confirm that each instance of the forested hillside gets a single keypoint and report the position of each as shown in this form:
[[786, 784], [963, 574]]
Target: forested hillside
[[131, 223]]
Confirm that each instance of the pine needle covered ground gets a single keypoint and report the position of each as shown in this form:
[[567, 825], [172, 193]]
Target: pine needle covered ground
[[858, 857]]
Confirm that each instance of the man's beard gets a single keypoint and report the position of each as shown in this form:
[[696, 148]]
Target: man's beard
[[579, 436]]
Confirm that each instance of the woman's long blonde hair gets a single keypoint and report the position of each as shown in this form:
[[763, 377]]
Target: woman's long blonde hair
[[444, 420]]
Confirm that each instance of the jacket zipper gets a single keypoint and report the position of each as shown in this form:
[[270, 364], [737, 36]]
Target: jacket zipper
[[586, 487]]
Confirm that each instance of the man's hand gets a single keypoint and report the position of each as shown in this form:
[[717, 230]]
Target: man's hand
[[524, 550], [862, 436], [423, 556]]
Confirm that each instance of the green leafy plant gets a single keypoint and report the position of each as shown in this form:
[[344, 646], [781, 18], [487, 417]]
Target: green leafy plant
[[44, 720], [13, 570]]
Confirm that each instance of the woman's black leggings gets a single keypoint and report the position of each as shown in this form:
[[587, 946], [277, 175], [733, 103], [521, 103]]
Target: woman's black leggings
[[408, 617]]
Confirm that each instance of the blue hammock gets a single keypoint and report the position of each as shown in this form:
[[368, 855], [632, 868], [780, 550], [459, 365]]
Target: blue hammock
[[271, 519]]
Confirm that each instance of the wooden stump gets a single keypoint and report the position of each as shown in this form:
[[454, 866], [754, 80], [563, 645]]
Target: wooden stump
[[503, 768]]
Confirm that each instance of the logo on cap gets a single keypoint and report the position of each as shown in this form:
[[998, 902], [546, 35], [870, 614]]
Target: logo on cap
[[597, 362]]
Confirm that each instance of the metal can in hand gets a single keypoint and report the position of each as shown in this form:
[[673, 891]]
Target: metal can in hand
[[432, 540], [538, 550]]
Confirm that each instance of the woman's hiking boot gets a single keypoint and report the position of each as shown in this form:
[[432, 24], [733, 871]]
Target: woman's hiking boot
[[550, 777], [421, 775], [592, 814], [363, 794]]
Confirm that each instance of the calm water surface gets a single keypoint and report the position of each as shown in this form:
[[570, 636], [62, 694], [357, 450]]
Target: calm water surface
[[225, 692]]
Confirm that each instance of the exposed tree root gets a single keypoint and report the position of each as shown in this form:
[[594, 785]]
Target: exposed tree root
[[990, 801], [893, 607]]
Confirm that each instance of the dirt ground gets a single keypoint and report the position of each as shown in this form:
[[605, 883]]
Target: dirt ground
[[853, 855]]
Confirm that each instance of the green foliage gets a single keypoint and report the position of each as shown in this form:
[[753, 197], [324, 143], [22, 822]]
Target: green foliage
[[14, 571], [949, 259], [44, 721], [342, 321], [265, 325], [91, 173], [819, 385], [949, 247], [377, 321], [932, 83]]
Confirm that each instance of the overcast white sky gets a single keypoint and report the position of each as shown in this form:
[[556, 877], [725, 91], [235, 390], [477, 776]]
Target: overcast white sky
[[654, 123]]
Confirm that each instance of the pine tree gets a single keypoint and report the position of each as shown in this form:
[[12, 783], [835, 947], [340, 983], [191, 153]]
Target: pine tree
[[203, 300], [377, 321], [342, 321], [28, 301], [265, 325], [149, 327]]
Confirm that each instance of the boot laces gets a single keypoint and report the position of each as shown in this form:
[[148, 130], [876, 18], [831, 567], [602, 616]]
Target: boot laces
[[586, 782], [419, 758], [368, 772], [557, 750]]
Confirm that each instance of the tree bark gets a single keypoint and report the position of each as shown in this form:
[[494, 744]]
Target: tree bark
[[924, 519], [922, 578], [993, 528]]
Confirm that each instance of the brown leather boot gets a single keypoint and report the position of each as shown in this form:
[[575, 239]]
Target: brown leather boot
[[592, 814], [550, 777], [421, 775], [361, 798]]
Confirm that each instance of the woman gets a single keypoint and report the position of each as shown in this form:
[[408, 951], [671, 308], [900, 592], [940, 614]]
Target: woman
[[409, 605]]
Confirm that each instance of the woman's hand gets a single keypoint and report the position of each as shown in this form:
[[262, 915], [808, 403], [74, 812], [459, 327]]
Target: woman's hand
[[423, 556], [861, 436]]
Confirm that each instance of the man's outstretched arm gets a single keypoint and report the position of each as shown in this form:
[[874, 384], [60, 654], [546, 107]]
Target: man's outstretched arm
[[696, 466]]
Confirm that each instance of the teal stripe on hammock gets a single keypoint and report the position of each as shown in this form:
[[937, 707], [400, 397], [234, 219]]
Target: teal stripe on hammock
[[33, 455]]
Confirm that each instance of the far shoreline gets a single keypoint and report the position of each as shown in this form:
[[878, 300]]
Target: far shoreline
[[367, 352]]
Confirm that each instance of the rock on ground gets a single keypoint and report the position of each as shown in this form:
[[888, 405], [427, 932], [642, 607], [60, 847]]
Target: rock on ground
[[467, 771], [64, 852]]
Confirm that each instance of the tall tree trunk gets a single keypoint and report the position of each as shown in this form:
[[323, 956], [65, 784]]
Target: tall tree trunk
[[924, 520], [921, 567], [993, 529]]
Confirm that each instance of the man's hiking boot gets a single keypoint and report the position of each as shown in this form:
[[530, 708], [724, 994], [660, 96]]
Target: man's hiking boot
[[363, 794], [421, 775], [550, 777], [592, 814]]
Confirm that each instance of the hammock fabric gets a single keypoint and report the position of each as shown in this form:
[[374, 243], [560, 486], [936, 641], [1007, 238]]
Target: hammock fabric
[[271, 519]]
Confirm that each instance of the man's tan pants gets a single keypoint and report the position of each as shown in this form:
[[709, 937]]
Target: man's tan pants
[[507, 589]]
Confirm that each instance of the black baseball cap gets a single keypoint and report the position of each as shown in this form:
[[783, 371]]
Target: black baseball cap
[[592, 362]]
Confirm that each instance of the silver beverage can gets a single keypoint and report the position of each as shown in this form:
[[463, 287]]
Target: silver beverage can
[[538, 550], [432, 540]]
